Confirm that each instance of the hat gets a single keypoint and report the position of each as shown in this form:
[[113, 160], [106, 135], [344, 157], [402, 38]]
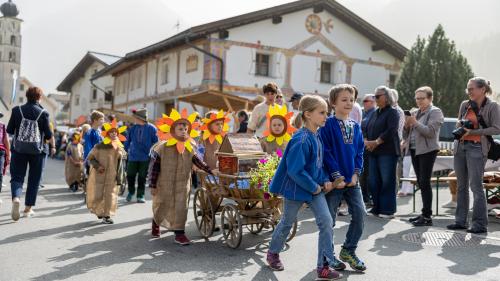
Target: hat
[[141, 113], [296, 96]]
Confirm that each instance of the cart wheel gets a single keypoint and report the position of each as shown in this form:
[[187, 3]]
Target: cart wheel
[[293, 231], [233, 234], [123, 187], [204, 215], [255, 228]]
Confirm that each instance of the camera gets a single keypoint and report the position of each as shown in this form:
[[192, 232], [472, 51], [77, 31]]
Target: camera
[[460, 132]]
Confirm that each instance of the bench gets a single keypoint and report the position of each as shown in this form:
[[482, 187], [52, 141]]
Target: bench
[[434, 180]]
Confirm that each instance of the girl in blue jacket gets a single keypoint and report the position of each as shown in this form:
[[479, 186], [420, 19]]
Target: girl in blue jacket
[[343, 144], [300, 179]]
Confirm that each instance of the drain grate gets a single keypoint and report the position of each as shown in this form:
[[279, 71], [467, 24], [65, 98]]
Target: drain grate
[[444, 239]]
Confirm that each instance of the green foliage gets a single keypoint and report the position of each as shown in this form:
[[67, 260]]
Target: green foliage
[[437, 63], [261, 177]]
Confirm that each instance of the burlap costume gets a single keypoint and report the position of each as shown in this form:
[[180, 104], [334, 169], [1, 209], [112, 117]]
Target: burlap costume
[[102, 189], [170, 204], [210, 148], [73, 173], [271, 147]]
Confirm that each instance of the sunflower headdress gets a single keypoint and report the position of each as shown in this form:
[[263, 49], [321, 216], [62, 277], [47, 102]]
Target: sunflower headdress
[[166, 126], [109, 127], [207, 122], [76, 138], [281, 113]]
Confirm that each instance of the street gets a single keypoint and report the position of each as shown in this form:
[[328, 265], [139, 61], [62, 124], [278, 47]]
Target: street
[[65, 242]]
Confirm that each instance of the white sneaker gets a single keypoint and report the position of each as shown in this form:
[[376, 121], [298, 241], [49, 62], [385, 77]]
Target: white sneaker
[[386, 216], [15, 210], [450, 205], [29, 213]]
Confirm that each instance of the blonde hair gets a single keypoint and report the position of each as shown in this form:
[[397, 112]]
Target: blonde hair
[[309, 103], [85, 128], [426, 90]]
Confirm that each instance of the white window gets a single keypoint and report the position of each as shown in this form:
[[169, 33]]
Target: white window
[[164, 71]]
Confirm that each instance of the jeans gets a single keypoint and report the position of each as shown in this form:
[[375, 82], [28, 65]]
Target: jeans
[[383, 183], [18, 168], [2, 162], [423, 164], [354, 199], [323, 220], [469, 165], [363, 179], [137, 169]]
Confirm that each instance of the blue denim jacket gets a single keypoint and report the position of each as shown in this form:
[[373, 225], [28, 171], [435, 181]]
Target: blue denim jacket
[[301, 169]]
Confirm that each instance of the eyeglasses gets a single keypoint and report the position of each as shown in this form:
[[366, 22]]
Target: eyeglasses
[[378, 96], [420, 98]]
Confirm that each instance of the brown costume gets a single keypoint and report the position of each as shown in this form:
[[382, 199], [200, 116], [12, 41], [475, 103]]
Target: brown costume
[[102, 189], [271, 147], [210, 148], [73, 173]]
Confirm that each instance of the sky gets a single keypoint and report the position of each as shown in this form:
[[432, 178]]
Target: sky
[[58, 33]]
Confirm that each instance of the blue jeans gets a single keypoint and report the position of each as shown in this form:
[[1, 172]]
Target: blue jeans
[[323, 220], [354, 199], [18, 168], [383, 183], [2, 161]]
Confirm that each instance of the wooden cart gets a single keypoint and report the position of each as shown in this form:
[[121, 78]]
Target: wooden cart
[[247, 208]]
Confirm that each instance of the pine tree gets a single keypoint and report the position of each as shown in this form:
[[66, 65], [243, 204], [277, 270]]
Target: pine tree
[[437, 63]]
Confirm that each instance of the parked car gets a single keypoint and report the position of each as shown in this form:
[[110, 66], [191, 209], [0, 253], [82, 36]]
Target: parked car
[[445, 134]]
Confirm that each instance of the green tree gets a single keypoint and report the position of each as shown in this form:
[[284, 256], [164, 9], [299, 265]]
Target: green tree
[[437, 63]]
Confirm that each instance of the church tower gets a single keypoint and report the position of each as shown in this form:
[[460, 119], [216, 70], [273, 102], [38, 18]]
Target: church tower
[[10, 50]]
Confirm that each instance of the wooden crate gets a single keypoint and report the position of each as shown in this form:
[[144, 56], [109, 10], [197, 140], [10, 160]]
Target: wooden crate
[[239, 153]]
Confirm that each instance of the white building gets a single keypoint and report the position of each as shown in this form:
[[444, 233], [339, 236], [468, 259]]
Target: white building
[[305, 46], [88, 95]]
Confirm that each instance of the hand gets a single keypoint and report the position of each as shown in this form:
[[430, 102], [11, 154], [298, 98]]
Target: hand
[[101, 169], [318, 190], [354, 180], [154, 191], [52, 152], [341, 185], [411, 121], [328, 187], [371, 145], [467, 132]]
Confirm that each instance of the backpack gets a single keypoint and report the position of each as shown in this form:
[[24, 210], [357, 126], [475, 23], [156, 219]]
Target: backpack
[[28, 139]]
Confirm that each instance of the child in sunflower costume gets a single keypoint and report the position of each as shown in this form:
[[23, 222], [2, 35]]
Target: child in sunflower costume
[[215, 127], [170, 169], [106, 172], [73, 162], [278, 131]]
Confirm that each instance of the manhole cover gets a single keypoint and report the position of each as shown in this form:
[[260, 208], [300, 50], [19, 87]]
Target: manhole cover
[[444, 239]]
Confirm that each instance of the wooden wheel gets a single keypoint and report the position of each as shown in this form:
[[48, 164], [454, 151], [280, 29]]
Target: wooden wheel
[[255, 228], [204, 214], [292, 232], [233, 234]]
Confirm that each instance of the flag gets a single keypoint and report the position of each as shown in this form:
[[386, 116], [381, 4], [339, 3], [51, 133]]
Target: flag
[[14, 85]]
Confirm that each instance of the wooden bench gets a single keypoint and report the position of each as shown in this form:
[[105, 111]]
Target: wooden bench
[[492, 189], [434, 180]]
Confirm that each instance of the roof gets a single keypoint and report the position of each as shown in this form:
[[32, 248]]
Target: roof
[[380, 39], [79, 70], [218, 100]]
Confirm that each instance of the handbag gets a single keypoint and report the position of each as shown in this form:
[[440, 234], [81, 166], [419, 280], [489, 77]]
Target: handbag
[[494, 152]]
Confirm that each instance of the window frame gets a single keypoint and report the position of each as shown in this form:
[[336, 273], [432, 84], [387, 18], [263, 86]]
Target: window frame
[[259, 64]]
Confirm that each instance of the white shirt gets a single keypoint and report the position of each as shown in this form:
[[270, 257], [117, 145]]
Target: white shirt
[[257, 120]]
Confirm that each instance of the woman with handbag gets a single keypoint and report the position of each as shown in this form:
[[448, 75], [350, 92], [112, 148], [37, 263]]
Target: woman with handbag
[[479, 119]]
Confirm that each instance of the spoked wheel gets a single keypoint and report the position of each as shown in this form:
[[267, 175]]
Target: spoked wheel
[[204, 214], [255, 228], [233, 234]]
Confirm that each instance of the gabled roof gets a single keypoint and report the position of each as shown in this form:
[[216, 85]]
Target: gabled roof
[[380, 39], [79, 70]]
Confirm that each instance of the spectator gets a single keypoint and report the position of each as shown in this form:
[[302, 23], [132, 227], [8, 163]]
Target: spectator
[[243, 120], [4, 152], [356, 113], [257, 123], [470, 150], [382, 142], [423, 138], [368, 110], [279, 98], [29, 123]]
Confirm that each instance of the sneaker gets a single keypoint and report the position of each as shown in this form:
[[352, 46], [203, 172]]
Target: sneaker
[[182, 239], [352, 260], [450, 205], [107, 220], [155, 230], [29, 213], [337, 265], [274, 262], [384, 216], [477, 230], [422, 221], [141, 200], [15, 210], [129, 197], [326, 273], [456, 226], [415, 218]]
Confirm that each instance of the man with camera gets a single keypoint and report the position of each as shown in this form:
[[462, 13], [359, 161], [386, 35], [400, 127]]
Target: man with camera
[[479, 119]]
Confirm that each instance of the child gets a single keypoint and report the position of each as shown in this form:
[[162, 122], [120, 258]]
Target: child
[[106, 173], [170, 173], [215, 127], [278, 131], [343, 143], [73, 163], [93, 136], [299, 179]]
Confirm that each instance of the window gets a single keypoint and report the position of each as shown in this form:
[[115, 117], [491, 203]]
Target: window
[[164, 71], [13, 40], [94, 94], [392, 81], [326, 72], [12, 56], [77, 100], [108, 96], [21, 87], [262, 65], [191, 63]]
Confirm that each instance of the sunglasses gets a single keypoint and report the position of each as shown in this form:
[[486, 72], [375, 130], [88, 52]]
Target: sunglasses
[[378, 96], [279, 97]]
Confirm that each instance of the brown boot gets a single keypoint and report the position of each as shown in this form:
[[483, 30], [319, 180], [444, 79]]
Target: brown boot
[[155, 230]]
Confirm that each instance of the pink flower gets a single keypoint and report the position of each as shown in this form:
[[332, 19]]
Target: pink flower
[[263, 160], [279, 153], [267, 195], [259, 186], [269, 182]]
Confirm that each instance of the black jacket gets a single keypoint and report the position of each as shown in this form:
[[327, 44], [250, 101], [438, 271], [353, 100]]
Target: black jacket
[[384, 123]]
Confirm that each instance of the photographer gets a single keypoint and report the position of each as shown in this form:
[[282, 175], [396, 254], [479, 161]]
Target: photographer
[[471, 150], [424, 126]]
